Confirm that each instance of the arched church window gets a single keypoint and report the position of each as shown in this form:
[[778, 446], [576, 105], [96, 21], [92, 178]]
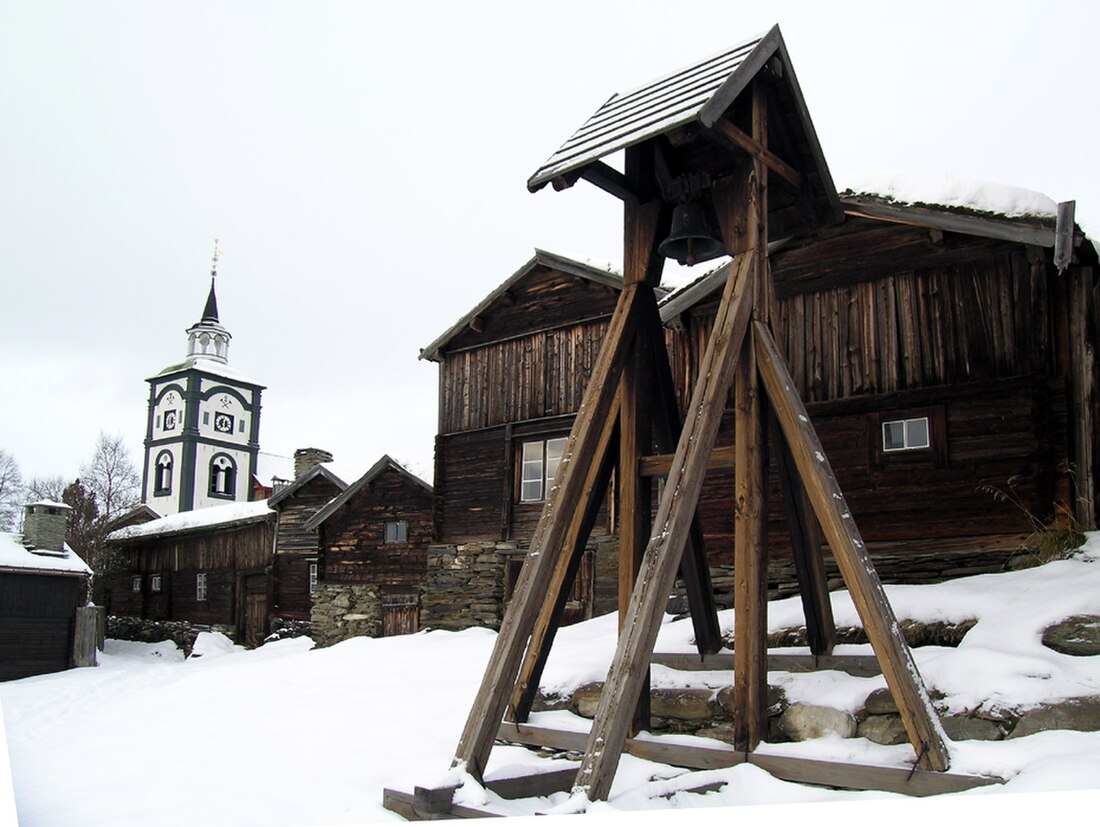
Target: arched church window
[[223, 477], [162, 474]]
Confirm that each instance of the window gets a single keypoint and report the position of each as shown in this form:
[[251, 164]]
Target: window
[[223, 477], [397, 531], [905, 434], [200, 586], [206, 417], [135, 584], [240, 427], [154, 582], [539, 462], [313, 578], [162, 474]]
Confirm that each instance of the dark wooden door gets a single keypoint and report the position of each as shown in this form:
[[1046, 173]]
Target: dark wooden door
[[255, 609], [400, 614]]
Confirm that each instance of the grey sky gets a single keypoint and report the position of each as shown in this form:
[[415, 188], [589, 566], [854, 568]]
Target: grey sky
[[364, 165]]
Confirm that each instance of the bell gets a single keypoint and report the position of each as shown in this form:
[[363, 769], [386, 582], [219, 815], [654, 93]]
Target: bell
[[692, 240]]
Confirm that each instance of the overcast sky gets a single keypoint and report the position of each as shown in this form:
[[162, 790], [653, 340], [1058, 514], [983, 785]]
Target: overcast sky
[[364, 167]]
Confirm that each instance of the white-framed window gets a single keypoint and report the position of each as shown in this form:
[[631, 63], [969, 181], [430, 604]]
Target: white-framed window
[[397, 531], [200, 586], [154, 582], [135, 583], [539, 461], [906, 434], [162, 474], [223, 477], [312, 578]]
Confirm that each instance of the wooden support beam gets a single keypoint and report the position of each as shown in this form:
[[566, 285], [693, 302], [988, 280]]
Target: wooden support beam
[[565, 498], [671, 527], [694, 568], [841, 774], [750, 564], [597, 477], [809, 562], [1082, 358], [772, 161], [863, 666], [658, 465], [920, 719], [610, 180]]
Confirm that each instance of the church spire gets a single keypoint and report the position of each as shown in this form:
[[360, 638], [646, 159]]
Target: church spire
[[207, 338], [210, 312]]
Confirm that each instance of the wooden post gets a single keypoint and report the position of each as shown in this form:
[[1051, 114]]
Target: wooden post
[[920, 719], [86, 635], [564, 504], [1080, 370], [750, 568], [671, 527]]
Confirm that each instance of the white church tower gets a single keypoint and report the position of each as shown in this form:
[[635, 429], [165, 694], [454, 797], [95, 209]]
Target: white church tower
[[203, 430]]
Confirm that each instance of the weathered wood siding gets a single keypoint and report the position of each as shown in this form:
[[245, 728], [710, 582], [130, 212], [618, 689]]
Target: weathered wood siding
[[36, 623], [224, 556], [296, 547], [353, 537]]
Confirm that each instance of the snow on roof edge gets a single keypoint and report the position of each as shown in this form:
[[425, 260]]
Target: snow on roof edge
[[198, 518], [950, 192]]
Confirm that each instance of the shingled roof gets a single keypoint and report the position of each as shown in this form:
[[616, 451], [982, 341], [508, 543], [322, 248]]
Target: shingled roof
[[690, 106]]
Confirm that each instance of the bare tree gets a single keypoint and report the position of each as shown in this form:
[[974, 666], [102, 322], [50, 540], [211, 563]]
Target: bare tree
[[46, 488], [11, 490], [112, 477]]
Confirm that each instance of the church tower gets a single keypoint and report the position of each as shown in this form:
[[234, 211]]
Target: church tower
[[203, 429]]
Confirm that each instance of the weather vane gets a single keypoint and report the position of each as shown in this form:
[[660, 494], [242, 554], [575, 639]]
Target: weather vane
[[214, 261]]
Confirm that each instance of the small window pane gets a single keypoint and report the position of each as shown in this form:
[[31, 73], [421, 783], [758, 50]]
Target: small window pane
[[135, 584], [893, 435], [916, 433], [200, 586], [396, 532], [554, 450], [531, 478]]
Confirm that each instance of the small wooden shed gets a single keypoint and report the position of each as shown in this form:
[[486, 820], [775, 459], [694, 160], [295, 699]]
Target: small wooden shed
[[42, 584]]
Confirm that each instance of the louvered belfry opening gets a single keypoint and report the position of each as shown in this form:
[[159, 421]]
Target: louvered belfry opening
[[732, 136]]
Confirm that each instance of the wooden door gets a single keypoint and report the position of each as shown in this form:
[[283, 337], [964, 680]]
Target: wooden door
[[400, 614], [255, 609]]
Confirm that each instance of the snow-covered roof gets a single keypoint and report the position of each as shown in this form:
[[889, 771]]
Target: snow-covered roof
[[946, 191], [273, 466], [50, 504], [208, 366], [15, 555], [218, 515]]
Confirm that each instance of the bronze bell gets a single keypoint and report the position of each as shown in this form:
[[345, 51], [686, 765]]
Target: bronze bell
[[692, 240]]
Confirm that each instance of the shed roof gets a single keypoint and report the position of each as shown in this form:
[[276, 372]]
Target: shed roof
[[15, 556], [386, 463], [541, 259]]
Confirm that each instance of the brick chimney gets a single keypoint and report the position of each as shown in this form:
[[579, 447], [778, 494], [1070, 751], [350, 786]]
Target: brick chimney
[[45, 524], [306, 458]]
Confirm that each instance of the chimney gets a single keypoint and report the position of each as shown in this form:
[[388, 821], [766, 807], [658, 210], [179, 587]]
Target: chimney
[[306, 458], [45, 524]]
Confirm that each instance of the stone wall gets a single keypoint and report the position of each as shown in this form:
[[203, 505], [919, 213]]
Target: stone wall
[[180, 632], [464, 585], [344, 610]]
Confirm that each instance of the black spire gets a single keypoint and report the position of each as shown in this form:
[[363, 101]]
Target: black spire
[[210, 312]]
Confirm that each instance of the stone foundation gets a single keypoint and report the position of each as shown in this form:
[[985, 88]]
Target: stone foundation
[[281, 629], [180, 632], [345, 610], [464, 585]]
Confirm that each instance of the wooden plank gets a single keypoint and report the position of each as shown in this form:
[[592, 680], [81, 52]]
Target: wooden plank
[[746, 142], [404, 804], [1081, 365], [840, 774], [750, 567], [536, 785], [671, 527], [694, 568], [858, 665], [658, 465], [565, 498], [899, 669], [597, 477]]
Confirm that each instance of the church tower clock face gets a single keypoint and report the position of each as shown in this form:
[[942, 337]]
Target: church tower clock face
[[223, 423]]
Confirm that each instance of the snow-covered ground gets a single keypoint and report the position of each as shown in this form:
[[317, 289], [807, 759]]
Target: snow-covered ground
[[286, 735]]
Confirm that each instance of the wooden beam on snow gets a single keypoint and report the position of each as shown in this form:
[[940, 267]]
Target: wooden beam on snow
[[902, 676]]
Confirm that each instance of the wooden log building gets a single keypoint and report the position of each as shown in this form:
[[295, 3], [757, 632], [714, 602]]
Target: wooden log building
[[374, 538], [943, 353]]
